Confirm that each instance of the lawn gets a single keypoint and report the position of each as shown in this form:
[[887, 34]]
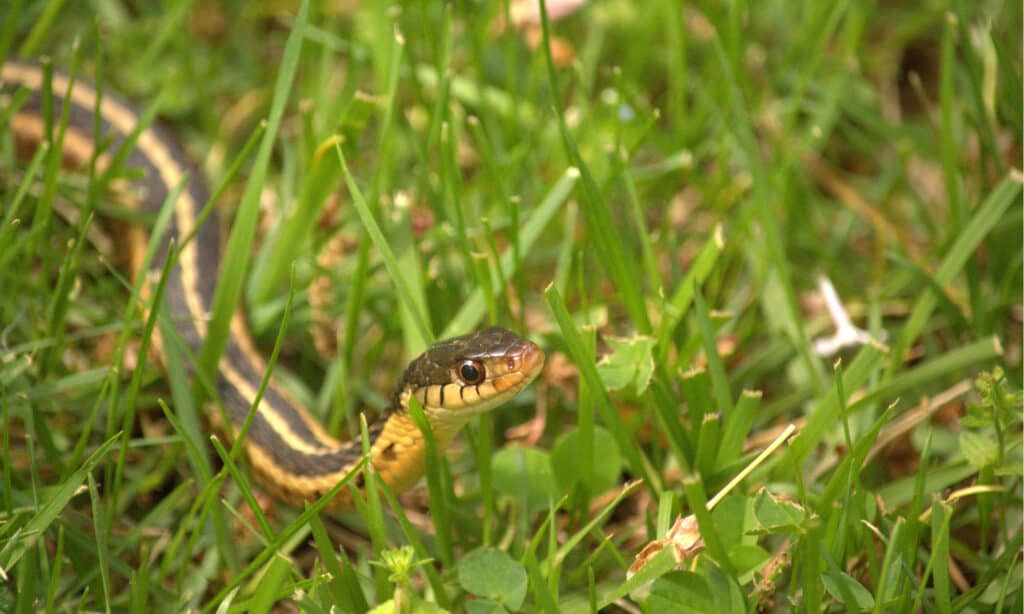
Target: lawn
[[679, 202]]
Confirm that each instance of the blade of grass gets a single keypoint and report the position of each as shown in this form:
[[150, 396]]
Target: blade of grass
[[482, 444], [695, 390], [44, 208], [737, 427], [974, 73], [839, 485], [243, 485], [585, 418], [719, 380], [416, 308], [42, 26], [973, 355], [709, 439], [977, 228], [503, 281], [636, 212], [662, 563], [544, 599], [372, 511], [128, 419], [344, 584], [609, 241], [239, 439], [173, 21], [826, 411], [588, 370], [440, 492], [469, 91], [190, 529], [888, 582], [26, 537], [938, 562], [10, 222], [739, 125], [413, 537], [557, 557], [10, 28], [950, 145], [480, 264], [276, 574], [903, 491], [697, 499], [473, 308], [139, 592], [102, 545], [286, 246], [676, 307], [662, 402], [281, 538], [55, 572], [239, 247]]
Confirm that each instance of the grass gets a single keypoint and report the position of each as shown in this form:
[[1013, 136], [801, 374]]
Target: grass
[[656, 212]]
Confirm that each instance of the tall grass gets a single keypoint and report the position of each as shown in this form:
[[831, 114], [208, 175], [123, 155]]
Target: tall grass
[[652, 196]]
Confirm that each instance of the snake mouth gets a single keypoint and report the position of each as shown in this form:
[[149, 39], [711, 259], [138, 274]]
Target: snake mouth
[[524, 364], [530, 359]]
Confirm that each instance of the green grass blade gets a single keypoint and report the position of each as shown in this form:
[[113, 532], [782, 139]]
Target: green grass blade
[[977, 228], [51, 507], [102, 544], [826, 412], [719, 381], [236, 254], [473, 308], [597, 213], [679, 303], [439, 490], [588, 370], [409, 301], [737, 425]]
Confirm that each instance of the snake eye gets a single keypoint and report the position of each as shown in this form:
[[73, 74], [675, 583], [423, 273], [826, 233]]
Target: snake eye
[[471, 372]]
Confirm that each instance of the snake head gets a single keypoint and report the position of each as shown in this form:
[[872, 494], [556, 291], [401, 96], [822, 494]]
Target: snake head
[[463, 376]]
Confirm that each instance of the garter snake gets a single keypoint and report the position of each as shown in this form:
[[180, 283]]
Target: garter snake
[[292, 454]]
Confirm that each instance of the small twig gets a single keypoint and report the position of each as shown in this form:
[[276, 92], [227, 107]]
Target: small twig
[[742, 475]]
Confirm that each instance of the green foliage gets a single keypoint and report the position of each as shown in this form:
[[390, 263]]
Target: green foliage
[[628, 365], [681, 591], [600, 473], [495, 577], [655, 212], [525, 474], [862, 599], [777, 515], [994, 422]]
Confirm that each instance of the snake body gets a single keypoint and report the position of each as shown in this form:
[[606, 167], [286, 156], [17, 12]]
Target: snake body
[[296, 459]]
